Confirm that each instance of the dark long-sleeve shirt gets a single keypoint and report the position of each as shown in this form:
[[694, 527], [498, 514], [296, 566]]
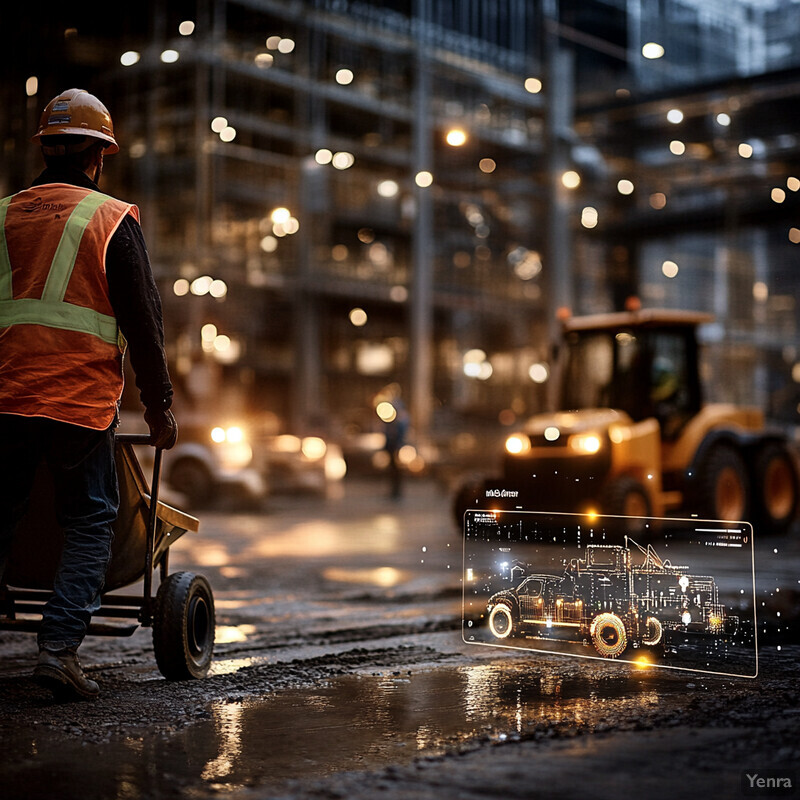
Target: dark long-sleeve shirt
[[134, 298]]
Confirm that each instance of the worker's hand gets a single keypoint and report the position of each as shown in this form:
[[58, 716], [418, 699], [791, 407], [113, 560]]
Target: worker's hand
[[163, 428]]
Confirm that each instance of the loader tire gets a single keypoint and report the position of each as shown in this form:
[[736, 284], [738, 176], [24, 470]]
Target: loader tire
[[724, 486], [183, 626], [776, 489], [626, 497]]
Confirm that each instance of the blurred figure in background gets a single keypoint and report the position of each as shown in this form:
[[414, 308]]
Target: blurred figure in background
[[392, 411]]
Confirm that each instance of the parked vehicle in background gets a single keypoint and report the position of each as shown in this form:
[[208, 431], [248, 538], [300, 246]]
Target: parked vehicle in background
[[300, 464], [245, 460], [209, 461]]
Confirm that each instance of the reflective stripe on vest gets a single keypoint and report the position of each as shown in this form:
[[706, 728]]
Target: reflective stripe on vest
[[51, 310]]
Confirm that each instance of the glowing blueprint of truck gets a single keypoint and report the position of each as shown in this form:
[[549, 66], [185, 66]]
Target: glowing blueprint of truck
[[672, 593]]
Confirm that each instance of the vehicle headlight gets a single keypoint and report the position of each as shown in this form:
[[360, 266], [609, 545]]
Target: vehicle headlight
[[233, 434], [218, 435], [588, 443], [335, 466], [313, 448], [517, 444], [233, 450]]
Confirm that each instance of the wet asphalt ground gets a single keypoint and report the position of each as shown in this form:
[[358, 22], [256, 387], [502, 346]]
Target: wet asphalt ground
[[340, 673]]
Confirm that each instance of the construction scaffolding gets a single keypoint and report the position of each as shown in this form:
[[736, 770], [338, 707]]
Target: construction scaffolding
[[342, 195]]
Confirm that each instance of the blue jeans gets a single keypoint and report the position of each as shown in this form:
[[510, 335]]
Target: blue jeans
[[86, 498]]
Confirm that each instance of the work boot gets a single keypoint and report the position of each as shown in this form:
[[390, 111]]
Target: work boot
[[60, 671]]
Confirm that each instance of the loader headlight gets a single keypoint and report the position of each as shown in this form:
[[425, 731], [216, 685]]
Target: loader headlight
[[586, 443], [517, 444]]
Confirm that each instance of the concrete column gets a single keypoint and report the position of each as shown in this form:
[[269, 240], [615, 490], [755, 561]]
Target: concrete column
[[559, 87], [309, 401], [421, 308]]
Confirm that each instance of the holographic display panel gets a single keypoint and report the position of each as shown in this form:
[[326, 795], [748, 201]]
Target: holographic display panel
[[663, 592]]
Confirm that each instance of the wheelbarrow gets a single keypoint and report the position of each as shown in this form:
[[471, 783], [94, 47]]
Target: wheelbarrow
[[181, 613]]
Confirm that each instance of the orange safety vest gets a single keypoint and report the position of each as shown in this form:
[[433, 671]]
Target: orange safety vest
[[60, 347]]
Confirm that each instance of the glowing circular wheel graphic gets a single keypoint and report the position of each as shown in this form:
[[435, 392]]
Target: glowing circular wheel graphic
[[653, 632], [500, 621], [608, 636]]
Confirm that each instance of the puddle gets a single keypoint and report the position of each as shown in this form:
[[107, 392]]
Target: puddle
[[353, 722]]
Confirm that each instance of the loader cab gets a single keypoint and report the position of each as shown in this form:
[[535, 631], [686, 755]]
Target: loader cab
[[644, 365]]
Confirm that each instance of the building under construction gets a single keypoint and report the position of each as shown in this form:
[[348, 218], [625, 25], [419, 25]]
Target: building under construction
[[342, 195]]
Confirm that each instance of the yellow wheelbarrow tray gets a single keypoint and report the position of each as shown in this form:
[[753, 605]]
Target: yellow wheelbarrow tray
[[181, 613]]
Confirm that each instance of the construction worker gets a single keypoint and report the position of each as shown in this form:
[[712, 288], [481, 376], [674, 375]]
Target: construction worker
[[75, 287]]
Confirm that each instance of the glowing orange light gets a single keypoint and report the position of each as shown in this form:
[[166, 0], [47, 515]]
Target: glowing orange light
[[456, 137]]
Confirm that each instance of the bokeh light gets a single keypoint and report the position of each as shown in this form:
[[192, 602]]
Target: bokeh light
[[358, 317], [589, 217], [533, 85], [570, 179], [343, 160], [388, 188], [129, 58], [669, 269], [625, 186], [652, 50], [456, 137], [344, 76]]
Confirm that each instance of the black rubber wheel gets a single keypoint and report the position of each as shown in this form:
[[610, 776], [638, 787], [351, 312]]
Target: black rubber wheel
[[724, 487], [191, 478], [183, 626], [776, 489], [626, 497]]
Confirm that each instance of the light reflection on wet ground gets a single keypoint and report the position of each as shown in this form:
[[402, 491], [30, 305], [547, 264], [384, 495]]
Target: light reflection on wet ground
[[352, 722], [254, 537]]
